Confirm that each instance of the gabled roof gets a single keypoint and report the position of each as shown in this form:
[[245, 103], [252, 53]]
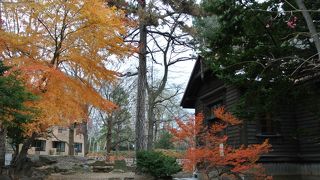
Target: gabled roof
[[194, 84]]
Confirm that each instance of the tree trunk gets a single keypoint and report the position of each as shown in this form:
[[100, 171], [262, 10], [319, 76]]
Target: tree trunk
[[118, 137], [90, 145], [109, 137], [142, 79], [150, 123], [85, 138], [21, 157], [71, 141], [156, 129], [310, 24], [3, 134]]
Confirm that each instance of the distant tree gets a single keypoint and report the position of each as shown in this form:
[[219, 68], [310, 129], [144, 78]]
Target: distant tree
[[116, 128], [164, 141], [163, 38], [208, 149]]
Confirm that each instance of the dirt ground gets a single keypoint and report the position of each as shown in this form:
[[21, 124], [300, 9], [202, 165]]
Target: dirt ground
[[79, 168], [93, 176], [112, 176]]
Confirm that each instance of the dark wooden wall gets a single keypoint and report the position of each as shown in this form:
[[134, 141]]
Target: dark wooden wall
[[285, 144], [308, 131], [235, 133], [298, 138]]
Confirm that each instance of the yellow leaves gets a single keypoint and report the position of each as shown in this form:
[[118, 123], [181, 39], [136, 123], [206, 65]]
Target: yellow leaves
[[94, 69], [62, 100], [63, 48], [62, 96], [10, 41], [95, 13]]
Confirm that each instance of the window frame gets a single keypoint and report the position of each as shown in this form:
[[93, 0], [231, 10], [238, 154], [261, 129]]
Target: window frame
[[59, 145], [268, 126], [40, 142], [78, 147]]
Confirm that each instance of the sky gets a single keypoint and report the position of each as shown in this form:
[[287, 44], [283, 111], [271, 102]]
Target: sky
[[180, 72]]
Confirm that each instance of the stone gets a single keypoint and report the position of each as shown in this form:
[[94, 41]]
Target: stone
[[120, 164], [59, 169], [5, 177], [98, 163], [47, 160], [118, 171], [106, 169], [68, 173]]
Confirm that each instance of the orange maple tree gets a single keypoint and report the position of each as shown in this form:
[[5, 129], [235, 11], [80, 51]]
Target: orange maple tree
[[209, 152], [62, 49]]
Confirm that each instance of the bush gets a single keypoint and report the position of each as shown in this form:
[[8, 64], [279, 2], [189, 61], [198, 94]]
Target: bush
[[156, 164]]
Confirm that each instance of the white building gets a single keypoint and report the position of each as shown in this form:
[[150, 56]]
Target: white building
[[57, 144]]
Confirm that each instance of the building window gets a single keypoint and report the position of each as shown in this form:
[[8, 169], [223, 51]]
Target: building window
[[40, 145], [60, 129], [78, 147], [269, 125], [212, 107], [59, 145], [209, 115]]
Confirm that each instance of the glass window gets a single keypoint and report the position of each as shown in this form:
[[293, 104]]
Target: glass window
[[59, 145], [60, 129], [78, 147], [40, 145], [269, 125], [213, 106]]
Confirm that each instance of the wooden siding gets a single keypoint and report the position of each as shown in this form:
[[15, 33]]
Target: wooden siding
[[285, 145], [298, 136], [235, 135], [199, 107], [252, 132], [308, 131], [209, 93]]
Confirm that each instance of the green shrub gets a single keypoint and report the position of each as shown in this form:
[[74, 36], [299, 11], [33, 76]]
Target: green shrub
[[156, 164]]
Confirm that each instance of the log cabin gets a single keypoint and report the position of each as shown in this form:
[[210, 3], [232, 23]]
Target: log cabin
[[294, 134]]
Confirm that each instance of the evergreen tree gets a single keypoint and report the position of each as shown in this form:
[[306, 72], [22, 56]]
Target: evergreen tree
[[165, 141], [13, 109], [263, 48]]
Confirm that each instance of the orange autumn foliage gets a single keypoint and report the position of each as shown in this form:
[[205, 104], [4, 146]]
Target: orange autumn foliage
[[62, 49], [205, 152]]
